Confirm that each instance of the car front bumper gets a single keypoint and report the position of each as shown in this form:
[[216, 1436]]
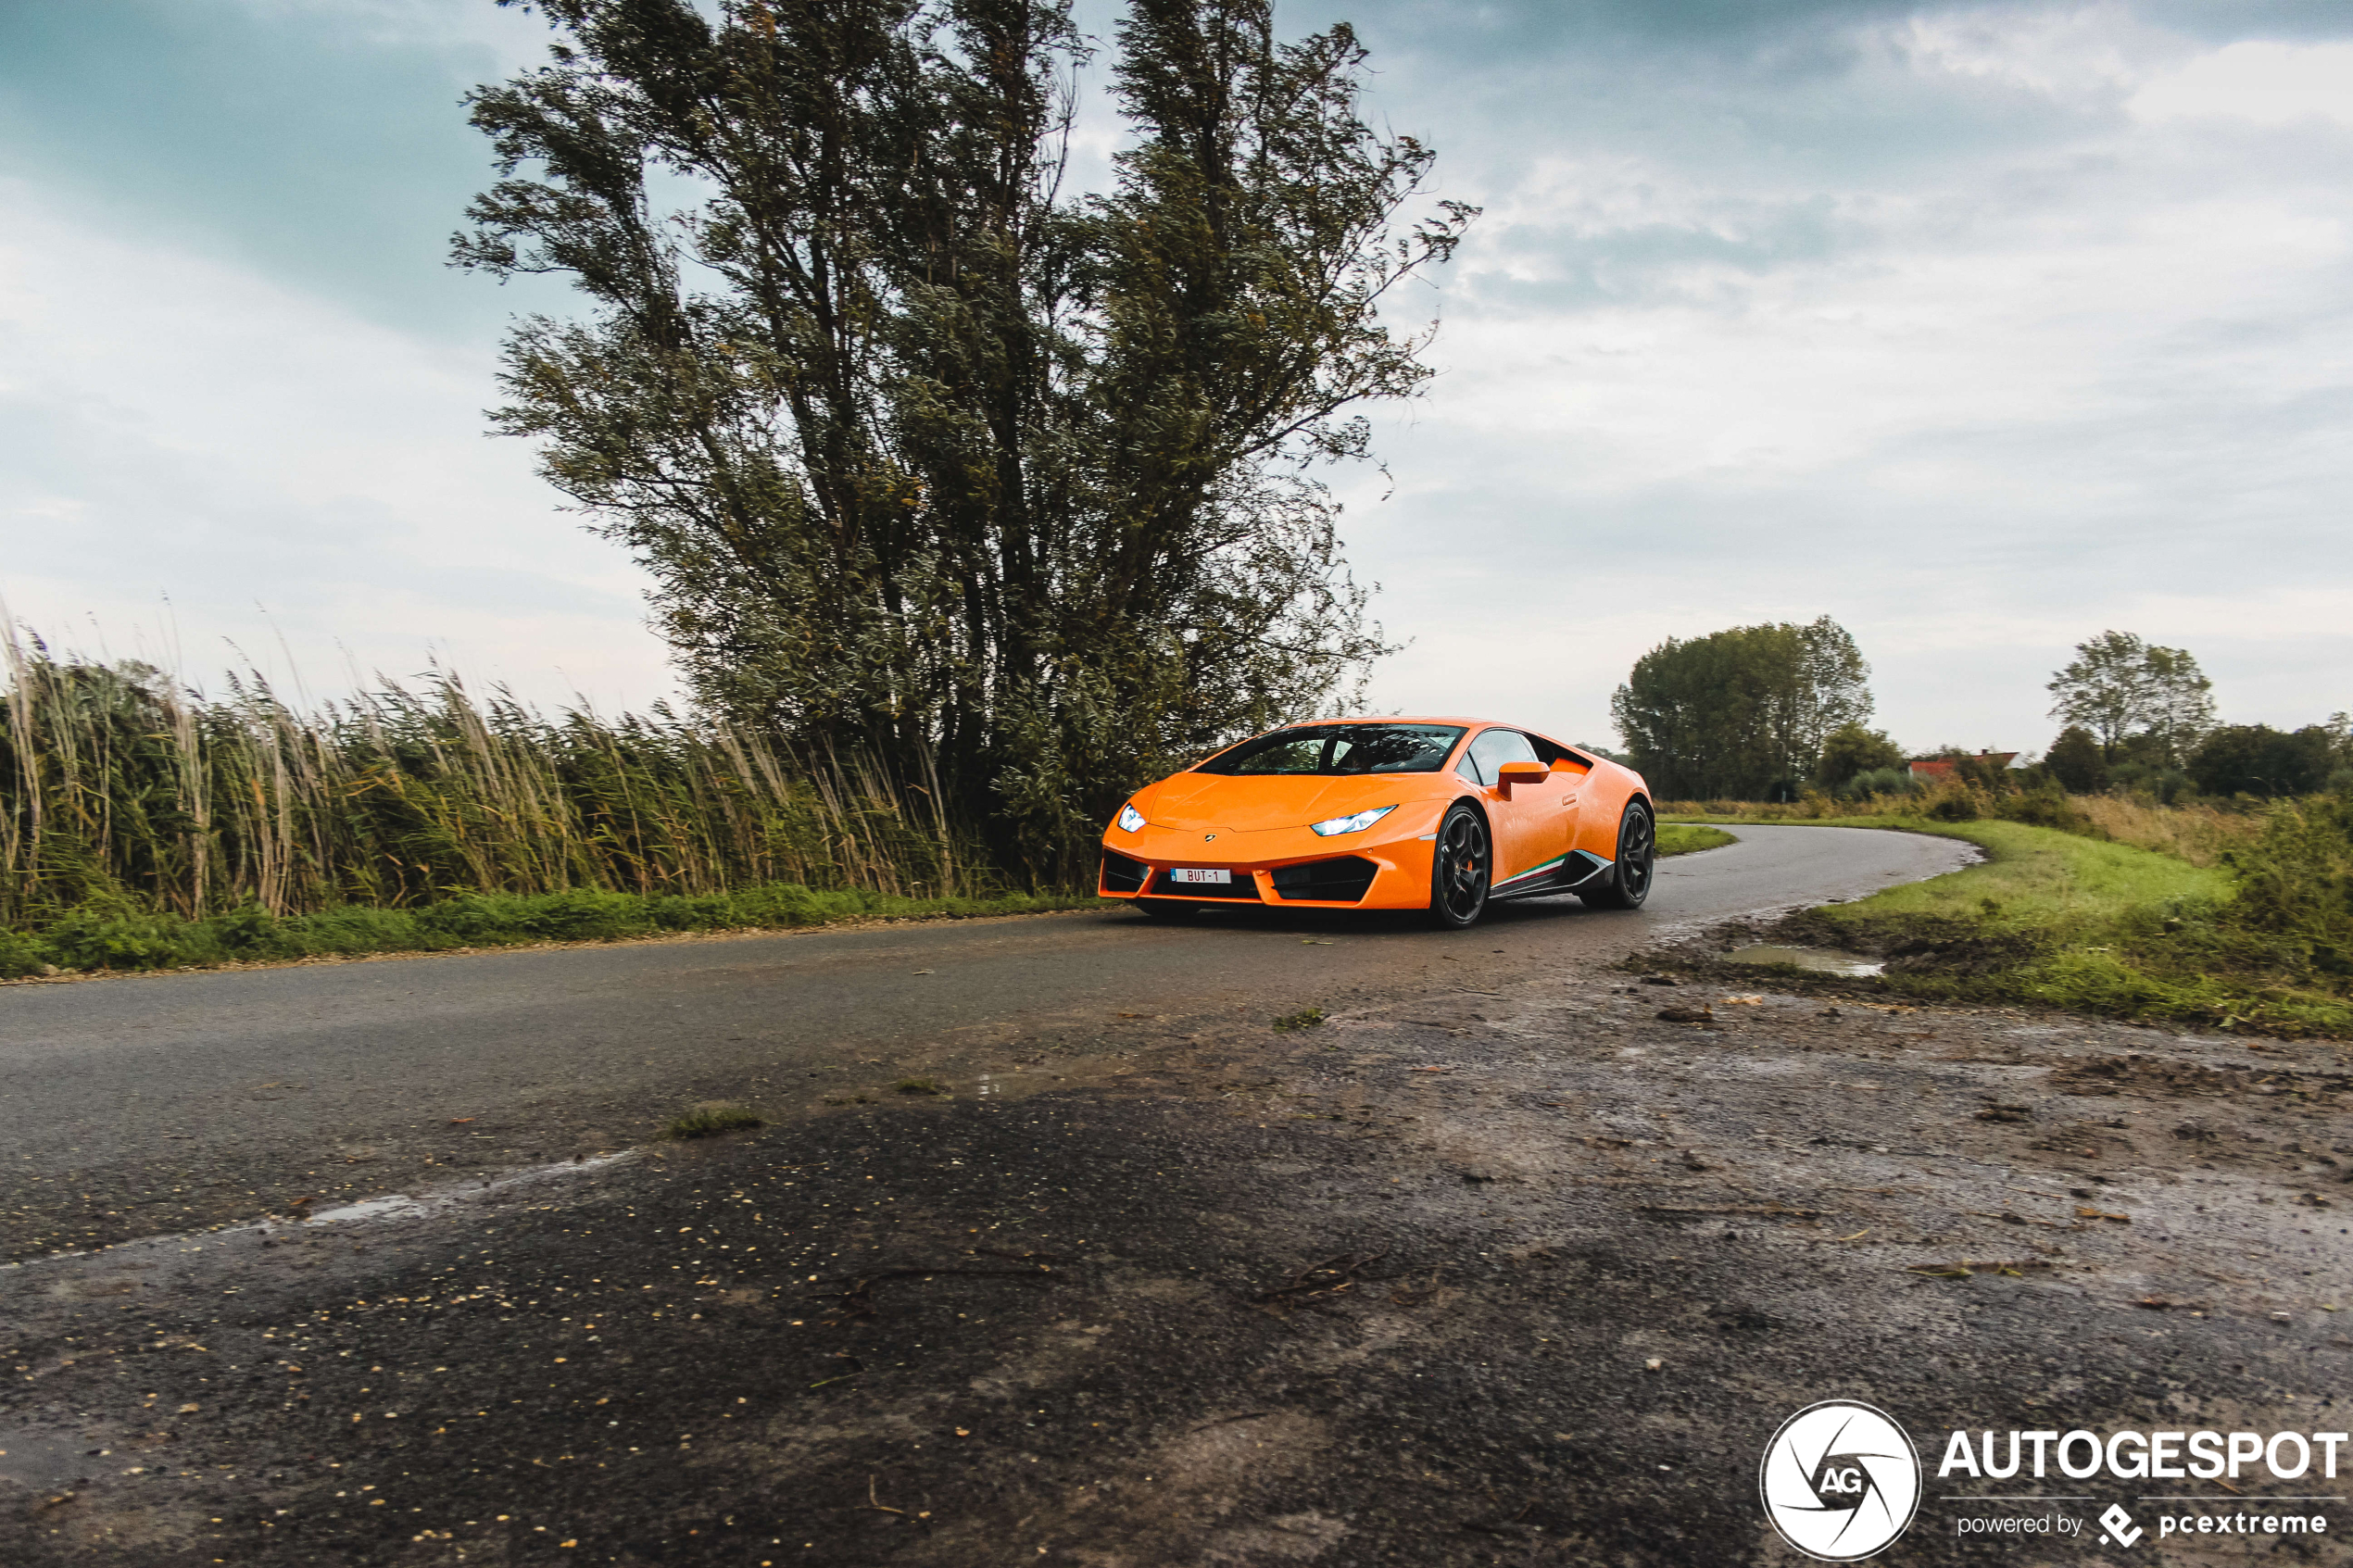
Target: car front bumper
[[1289, 867]]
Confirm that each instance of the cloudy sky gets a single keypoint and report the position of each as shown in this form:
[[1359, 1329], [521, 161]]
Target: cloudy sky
[[1980, 329]]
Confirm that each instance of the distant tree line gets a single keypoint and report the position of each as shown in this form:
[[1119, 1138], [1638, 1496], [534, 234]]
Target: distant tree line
[[1766, 712], [2142, 717]]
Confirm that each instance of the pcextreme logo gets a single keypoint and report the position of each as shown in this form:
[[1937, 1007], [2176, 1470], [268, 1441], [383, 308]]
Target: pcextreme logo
[[1840, 1480]]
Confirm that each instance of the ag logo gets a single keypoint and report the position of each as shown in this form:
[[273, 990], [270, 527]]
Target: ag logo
[[1840, 1481]]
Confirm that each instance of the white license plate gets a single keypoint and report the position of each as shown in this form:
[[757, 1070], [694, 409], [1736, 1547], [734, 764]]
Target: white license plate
[[1182, 874]]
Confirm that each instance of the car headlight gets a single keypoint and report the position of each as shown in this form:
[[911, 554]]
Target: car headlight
[[1356, 824], [1130, 819]]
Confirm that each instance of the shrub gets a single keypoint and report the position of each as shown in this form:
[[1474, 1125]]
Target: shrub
[[1879, 781], [20, 956], [2152, 780], [2077, 762], [2296, 881], [1851, 750], [1952, 801], [2045, 806], [108, 931]]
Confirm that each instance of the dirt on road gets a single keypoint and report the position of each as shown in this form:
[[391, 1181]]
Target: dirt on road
[[1528, 1276]]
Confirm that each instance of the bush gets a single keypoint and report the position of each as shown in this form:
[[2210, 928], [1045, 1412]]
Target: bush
[[1850, 750], [2045, 806], [1879, 781], [111, 932], [2077, 762], [2152, 780], [2296, 881], [20, 956], [1952, 801]]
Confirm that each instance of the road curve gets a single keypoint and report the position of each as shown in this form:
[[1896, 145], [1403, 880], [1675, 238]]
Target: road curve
[[157, 1103]]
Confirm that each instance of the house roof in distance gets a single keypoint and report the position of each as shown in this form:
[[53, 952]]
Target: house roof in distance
[[1941, 767]]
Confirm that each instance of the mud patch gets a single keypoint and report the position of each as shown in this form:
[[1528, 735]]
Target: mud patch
[[2134, 1073]]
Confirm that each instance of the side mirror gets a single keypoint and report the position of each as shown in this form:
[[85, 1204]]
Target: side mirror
[[1512, 774]]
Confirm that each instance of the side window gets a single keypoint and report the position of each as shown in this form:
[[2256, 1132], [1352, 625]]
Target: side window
[[1552, 756], [1492, 751]]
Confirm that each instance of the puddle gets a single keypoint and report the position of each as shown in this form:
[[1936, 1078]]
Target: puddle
[[1822, 961]]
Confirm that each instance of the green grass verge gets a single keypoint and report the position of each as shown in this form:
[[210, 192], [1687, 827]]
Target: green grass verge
[[1683, 838], [120, 936], [2061, 920]]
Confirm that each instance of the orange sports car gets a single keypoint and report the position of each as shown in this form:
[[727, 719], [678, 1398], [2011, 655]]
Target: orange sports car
[[1446, 815]]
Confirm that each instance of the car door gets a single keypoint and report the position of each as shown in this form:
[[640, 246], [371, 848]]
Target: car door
[[1526, 818]]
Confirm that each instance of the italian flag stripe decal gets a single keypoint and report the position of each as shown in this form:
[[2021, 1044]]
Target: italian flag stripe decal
[[1538, 870]]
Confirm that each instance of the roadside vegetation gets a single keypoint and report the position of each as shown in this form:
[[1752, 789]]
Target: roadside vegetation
[[106, 934], [2130, 910], [144, 825]]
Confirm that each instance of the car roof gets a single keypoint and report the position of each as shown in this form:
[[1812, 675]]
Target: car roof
[[1395, 719], [1437, 719]]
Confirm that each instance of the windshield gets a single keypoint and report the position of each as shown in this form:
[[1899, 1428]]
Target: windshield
[[1341, 749]]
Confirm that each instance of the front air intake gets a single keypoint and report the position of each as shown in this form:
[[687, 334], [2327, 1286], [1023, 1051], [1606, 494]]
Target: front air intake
[[1244, 886], [1341, 881], [1121, 875]]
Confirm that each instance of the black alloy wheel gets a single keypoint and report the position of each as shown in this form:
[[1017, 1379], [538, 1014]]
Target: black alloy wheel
[[1629, 881], [1460, 869]]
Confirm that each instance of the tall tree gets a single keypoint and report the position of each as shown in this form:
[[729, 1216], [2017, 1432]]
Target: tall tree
[[2123, 689], [2103, 688], [931, 461], [1739, 713], [2180, 711]]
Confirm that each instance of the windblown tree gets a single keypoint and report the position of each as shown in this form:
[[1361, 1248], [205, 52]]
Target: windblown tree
[[1009, 490], [1741, 713]]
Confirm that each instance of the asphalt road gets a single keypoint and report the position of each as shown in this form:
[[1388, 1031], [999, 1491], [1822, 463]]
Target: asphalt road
[[1517, 1260], [139, 1105]]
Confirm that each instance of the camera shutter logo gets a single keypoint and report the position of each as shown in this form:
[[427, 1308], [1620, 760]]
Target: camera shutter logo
[[1840, 1481]]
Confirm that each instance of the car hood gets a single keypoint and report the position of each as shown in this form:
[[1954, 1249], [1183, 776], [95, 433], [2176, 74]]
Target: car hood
[[1254, 803]]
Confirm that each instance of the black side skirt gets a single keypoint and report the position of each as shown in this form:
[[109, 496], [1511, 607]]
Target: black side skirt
[[1581, 869]]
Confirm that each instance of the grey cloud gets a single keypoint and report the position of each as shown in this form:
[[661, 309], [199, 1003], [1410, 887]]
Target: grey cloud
[[298, 140]]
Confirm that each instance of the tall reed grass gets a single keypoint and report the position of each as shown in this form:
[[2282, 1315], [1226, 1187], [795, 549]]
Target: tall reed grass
[[118, 786]]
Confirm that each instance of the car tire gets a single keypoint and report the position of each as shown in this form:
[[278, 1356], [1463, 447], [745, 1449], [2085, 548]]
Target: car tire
[[1628, 882], [1461, 868]]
